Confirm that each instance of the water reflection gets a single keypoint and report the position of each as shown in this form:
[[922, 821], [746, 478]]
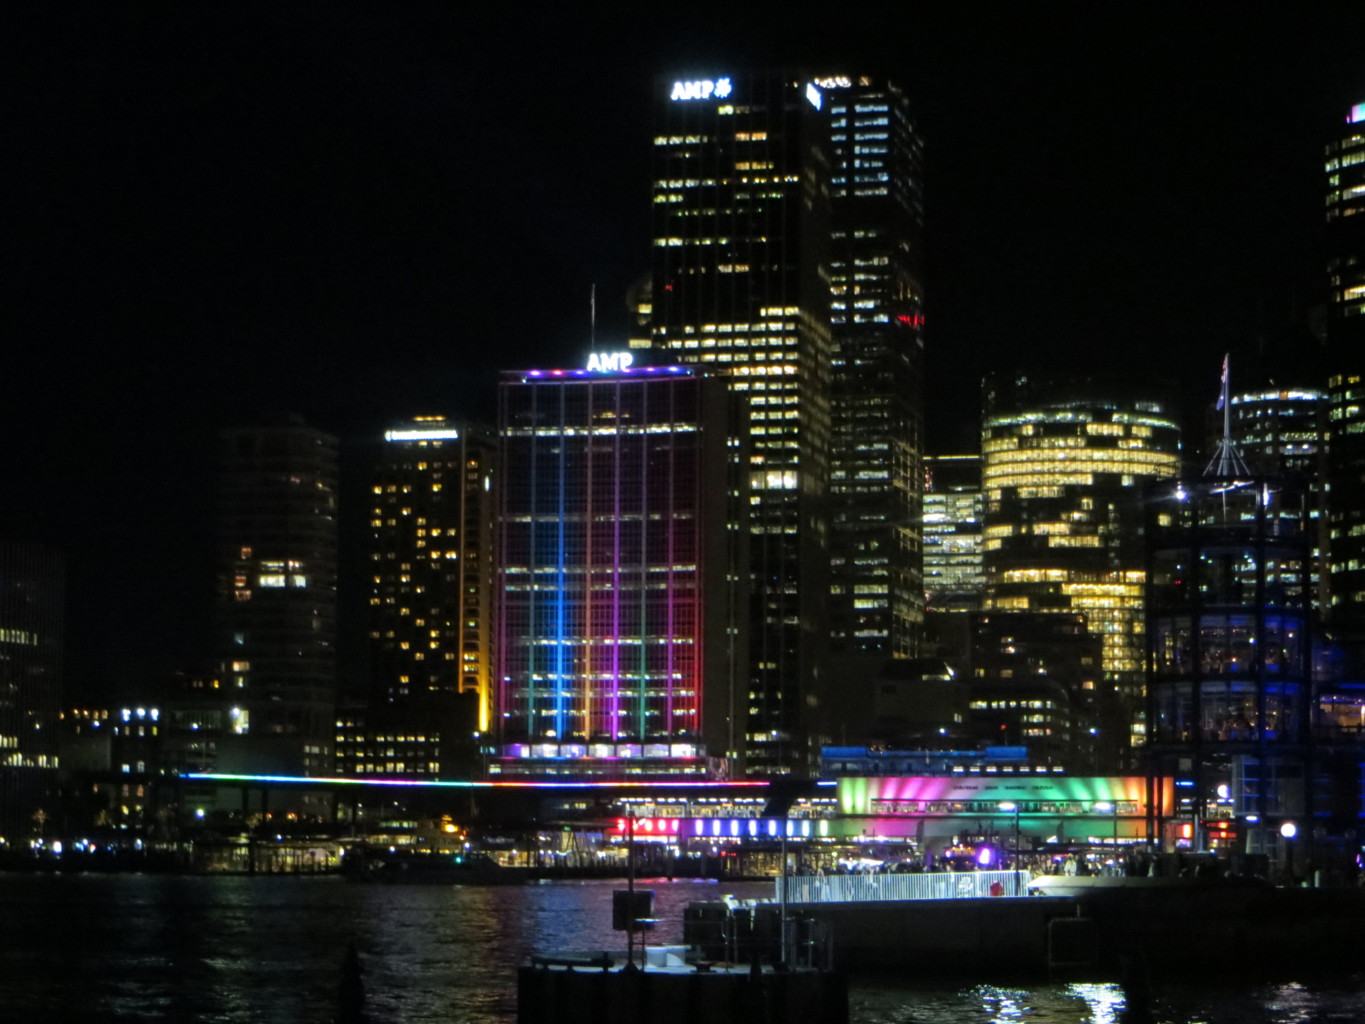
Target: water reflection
[[230, 950]]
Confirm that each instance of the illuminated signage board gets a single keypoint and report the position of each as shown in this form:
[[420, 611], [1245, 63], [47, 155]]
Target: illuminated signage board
[[722, 828], [441, 434], [703, 89], [610, 362], [814, 95], [1357, 114]]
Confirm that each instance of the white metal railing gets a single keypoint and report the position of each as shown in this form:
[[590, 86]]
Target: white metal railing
[[941, 885]]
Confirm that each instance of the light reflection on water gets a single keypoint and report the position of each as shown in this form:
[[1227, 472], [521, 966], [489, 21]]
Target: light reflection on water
[[237, 950]]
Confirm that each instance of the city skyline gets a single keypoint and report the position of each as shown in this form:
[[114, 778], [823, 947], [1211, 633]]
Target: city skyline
[[279, 215]]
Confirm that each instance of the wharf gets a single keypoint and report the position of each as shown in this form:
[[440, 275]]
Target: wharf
[[1102, 929]]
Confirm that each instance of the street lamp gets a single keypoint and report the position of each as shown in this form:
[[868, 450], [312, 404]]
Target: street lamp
[[1008, 806], [1289, 831]]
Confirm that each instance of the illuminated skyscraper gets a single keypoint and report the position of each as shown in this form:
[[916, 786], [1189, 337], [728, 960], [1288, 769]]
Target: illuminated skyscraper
[[952, 522], [1064, 465], [741, 235], [622, 598], [1345, 234], [1282, 432], [431, 524], [31, 650], [876, 408], [1229, 640], [277, 593]]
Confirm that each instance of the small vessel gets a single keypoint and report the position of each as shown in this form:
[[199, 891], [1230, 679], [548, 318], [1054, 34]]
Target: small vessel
[[378, 864]]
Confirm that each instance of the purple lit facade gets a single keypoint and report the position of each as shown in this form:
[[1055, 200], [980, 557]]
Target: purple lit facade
[[621, 607]]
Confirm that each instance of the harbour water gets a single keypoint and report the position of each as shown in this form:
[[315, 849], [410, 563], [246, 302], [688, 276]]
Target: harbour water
[[234, 950]]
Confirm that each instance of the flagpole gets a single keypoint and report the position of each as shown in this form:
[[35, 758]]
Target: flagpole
[[1227, 405]]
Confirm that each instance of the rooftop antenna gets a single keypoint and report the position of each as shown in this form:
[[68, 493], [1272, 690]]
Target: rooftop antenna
[[1227, 461], [592, 318]]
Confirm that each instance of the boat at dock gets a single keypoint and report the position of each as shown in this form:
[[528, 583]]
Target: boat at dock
[[369, 864]]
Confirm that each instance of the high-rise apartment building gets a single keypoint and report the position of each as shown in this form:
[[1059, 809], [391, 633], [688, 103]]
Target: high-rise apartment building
[[431, 560], [741, 288], [877, 367], [1345, 235], [1063, 468], [31, 649], [622, 590], [277, 595]]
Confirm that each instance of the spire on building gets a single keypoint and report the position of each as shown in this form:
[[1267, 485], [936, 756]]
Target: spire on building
[[1227, 461]]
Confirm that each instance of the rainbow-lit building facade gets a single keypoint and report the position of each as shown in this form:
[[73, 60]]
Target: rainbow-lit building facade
[[622, 597]]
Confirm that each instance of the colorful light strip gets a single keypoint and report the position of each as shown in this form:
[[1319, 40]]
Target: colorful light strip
[[456, 784]]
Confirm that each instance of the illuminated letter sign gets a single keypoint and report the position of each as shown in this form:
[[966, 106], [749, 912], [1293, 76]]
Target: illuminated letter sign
[[610, 362], [701, 90]]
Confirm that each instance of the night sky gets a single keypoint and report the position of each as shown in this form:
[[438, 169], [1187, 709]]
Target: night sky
[[216, 212]]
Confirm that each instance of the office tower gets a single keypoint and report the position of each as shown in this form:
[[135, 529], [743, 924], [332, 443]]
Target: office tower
[[1230, 652], [877, 368], [1345, 238], [31, 648], [1033, 680], [622, 600], [954, 577], [741, 238], [1282, 432], [277, 594], [1063, 468], [431, 559]]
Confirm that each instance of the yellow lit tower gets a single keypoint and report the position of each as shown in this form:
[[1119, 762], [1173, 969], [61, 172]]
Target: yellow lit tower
[[431, 523], [741, 288], [1064, 464]]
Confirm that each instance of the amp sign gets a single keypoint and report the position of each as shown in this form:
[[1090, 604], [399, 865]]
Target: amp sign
[[701, 90], [610, 362]]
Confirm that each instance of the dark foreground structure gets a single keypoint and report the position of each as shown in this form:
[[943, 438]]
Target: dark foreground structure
[[598, 992]]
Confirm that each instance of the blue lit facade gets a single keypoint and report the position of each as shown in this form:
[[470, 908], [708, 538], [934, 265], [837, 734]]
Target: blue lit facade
[[1229, 650]]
